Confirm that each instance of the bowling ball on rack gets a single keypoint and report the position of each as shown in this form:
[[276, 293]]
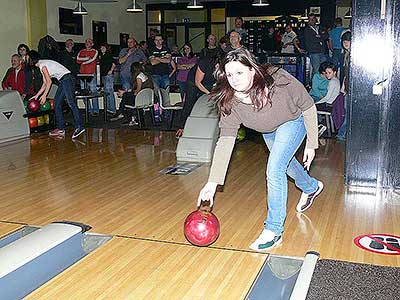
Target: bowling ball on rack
[[241, 134], [51, 101], [33, 122], [46, 119], [201, 227], [46, 106], [33, 105], [40, 121], [26, 105]]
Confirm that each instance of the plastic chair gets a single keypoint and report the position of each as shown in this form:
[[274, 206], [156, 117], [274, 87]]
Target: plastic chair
[[144, 101], [165, 104]]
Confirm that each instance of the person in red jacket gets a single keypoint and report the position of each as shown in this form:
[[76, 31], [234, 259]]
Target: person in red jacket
[[15, 78]]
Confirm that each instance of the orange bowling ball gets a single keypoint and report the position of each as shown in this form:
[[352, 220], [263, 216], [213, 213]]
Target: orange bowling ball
[[33, 122]]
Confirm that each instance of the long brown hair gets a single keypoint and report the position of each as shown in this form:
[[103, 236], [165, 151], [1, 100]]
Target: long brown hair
[[223, 94]]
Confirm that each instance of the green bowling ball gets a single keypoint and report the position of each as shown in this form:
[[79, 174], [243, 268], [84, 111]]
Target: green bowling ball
[[241, 134], [46, 106], [26, 105]]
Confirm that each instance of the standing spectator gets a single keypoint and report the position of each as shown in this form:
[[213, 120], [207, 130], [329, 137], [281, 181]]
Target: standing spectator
[[150, 40], [239, 28], [145, 48], [185, 63], [211, 50], [313, 43], [87, 59], [22, 50], [160, 59], [335, 44], [127, 57], [68, 57], [33, 77], [107, 67], [52, 69], [269, 43], [289, 40], [345, 79], [235, 40], [15, 77]]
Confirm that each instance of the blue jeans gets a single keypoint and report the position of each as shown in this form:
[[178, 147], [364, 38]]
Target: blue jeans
[[66, 89], [126, 81], [283, 144], [336, 53], [108, 82], [94, 103], [316, 59], [162, 81]]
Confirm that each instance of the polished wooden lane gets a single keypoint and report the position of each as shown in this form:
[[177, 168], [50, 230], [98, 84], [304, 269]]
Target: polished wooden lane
[[7, 228], [111, 181], [132, 269]]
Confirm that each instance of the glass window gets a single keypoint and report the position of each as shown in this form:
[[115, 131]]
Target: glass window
[[154, 16], [218, 15], [182, 16]]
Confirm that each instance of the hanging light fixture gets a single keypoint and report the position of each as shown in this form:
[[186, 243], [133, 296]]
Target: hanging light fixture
[[304, 16], [134, 8], [80, 10], [260, 3], [194, 4], [348, 14]]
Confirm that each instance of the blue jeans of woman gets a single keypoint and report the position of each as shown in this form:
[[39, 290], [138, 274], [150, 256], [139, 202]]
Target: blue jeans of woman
[[283, 144], [93, 103], [108, 82], [66, 89]]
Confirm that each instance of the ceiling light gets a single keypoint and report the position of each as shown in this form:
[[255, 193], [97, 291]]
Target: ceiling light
[[260, 3], [80, 10], [193, 4], [134, 8]]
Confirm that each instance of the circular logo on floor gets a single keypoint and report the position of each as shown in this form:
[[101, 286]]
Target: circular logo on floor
[[379, 243]]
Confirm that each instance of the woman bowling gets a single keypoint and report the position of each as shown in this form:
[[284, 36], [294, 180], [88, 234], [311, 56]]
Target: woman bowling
[[52, 69], [272, 102]]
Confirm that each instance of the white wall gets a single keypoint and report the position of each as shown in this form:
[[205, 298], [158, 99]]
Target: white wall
[[118, 20], [12, 31]]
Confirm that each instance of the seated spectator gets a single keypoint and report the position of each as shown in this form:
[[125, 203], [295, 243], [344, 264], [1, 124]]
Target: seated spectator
[[319, 85], [15, 77], [185, 63], [223, 43], [269, 42], [145, 48], [333, 87], [107, 67], [140, 81], [235, 41]]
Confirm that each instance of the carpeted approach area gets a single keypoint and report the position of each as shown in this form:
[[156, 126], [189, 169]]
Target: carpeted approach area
[[341, 280]]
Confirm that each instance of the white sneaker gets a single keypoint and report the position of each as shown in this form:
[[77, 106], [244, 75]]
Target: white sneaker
[[321, 130], [306, 200], [267, 240]]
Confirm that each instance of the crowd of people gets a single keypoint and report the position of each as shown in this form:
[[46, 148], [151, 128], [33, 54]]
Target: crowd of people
[[152, 63]]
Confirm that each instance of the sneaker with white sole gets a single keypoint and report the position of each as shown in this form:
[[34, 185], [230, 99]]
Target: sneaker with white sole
[[266, 241], [57, 132], [306, 200], [119, 117], [78, 132]]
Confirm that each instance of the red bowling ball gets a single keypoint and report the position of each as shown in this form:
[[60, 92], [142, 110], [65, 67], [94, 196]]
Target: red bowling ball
[[201, 227], [33, 105]]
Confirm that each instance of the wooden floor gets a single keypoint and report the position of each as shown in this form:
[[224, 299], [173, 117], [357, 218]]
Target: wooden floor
[[110, 180]]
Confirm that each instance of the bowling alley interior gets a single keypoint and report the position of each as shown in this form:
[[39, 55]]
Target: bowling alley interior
[[199, 149]]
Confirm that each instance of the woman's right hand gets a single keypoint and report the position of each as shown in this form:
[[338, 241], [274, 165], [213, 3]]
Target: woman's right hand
[[207, 193]]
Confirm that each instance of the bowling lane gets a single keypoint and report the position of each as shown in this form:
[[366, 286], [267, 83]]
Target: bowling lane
[[135, 269], [7, 228]]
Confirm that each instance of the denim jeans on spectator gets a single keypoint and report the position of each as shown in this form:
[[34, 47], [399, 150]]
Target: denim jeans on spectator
[[316, 59], [283, 144], [336, 53], [162, 81], [108, 82], [126, 81], [182, 89], [66, 89], [93, 103]]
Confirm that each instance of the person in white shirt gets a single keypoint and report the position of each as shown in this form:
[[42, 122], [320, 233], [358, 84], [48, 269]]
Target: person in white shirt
[[333, 87], [289, 40], [66, 89]]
